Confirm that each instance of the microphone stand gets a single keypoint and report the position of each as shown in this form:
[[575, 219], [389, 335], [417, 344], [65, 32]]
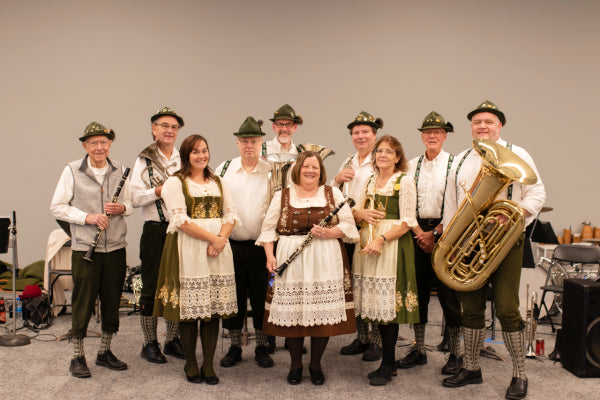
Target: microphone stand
[[14, 339]]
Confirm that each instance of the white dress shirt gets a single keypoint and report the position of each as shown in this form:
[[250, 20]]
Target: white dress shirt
[[63, 194], [362, 172], [431, 184], [250, 193], [529, 197], [141, 194]]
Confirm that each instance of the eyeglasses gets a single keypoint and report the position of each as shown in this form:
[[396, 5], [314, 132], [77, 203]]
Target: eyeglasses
[[287, 125], [389, 152], [433, 133], [167, 126], [95, 143]]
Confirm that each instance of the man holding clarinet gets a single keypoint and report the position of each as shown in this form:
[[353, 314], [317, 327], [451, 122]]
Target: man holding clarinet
[[93, 196]]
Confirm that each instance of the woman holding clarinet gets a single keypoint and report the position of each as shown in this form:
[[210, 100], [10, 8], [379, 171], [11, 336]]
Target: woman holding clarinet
[[90, 198], [310, 297]]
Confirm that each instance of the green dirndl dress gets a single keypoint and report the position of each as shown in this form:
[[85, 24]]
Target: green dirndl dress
[[385, 285], [192, 285]]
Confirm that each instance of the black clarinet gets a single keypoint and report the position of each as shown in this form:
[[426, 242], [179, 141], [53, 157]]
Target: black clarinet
[[309, 238], [90, 252]]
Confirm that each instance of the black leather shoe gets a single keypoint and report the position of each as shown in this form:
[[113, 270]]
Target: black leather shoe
[[453, 365], [517, 389], [372, 353], [109, 360], [78, 368], [381, 376], [316, 376], [261, 355], [356, 347], [295, 376], [412, 359], [173, 348], [464, 377], [210, 380], [151, 352], [374, 373], [193, 378], [233, 356]]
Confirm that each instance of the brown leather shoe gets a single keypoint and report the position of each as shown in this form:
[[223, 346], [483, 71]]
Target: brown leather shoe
[[412, 359], [464, 377], [79, 368], [356, 347], [517, 389], [109, 360]]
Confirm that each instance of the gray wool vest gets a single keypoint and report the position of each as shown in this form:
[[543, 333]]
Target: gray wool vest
[[89, 196]]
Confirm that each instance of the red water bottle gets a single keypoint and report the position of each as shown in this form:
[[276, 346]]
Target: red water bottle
[[2, 312]]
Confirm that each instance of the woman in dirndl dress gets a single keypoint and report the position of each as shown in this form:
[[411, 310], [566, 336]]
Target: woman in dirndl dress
[[385, 289], [196, 279], [313, 296]]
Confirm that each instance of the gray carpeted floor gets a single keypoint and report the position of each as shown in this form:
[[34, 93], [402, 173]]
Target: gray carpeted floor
[[40, 371]]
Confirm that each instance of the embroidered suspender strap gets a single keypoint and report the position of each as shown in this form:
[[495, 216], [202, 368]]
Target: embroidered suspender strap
[[450, 159], [458, 169], [220, 185], [161, 215], [417, 173], [298, 149], [510, 188], [225, 166]]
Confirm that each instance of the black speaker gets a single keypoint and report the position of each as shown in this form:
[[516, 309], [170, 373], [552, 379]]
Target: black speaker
[[580, 342]]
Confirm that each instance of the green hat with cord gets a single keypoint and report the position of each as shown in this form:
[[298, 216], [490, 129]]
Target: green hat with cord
[[488, 106], [167, 111], [364, 118], [287, 112], [250, 128], [434, 120], [97, 129]]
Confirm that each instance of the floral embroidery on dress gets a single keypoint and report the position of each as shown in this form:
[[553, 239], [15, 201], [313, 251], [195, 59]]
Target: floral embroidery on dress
[[399, 301], [163, 294], [412, 300]]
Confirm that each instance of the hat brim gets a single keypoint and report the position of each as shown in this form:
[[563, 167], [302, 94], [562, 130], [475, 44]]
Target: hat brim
[[295, 120], [249, 134], [177, 117], [110, 135], [497, 113], [369, 123], [445, 128]]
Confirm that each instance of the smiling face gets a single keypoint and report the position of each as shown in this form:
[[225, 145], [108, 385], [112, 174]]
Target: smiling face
[[485, 125], [249, 147], [199, 156], [165, 130], [433, 139], [284, 130], [97, 148], [363, 138], [386, 157], [310, 172]]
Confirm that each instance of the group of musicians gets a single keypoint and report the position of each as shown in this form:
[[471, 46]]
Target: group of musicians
[[213, 239]]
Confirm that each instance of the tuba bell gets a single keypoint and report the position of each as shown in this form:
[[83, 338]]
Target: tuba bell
[[475, 242], [160, 172], [280, 164]]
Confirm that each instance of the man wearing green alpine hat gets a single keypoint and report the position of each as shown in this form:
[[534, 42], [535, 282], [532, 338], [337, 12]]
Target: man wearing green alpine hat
[[247, 178], [486, 123], [430, 171], [153, 166], [285, 123], [83, 198], [351, 179]]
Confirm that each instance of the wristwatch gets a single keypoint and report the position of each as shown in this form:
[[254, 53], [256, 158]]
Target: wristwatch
[[435, 233]]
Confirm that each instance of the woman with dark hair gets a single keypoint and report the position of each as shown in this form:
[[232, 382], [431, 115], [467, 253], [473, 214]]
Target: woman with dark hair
[[385, 289], [313, 296], [196, 279]]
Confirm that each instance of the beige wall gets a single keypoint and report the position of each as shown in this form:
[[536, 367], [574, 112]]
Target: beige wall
[[65, 64]]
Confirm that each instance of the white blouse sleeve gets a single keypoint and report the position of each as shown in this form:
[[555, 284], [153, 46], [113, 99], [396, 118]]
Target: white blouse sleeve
[[172, 194], [346, 221], [229, 210], [407, 202], [269, 227]]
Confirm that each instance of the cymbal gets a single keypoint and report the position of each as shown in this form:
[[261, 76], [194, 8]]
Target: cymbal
[[546, 209]]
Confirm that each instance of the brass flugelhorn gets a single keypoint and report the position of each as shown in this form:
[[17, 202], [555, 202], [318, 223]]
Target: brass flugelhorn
[[475, 242]]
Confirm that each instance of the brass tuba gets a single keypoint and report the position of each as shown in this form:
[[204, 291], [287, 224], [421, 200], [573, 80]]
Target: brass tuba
[[160, 172], [475, 242]]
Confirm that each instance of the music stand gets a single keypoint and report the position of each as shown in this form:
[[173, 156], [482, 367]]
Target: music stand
[[14, 339]]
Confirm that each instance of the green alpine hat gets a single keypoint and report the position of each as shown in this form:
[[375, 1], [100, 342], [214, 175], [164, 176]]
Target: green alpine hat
[[96, 129], [167, 111], [364, 118], [287, 112], [250, 128], [488, 106], [434, 120]]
